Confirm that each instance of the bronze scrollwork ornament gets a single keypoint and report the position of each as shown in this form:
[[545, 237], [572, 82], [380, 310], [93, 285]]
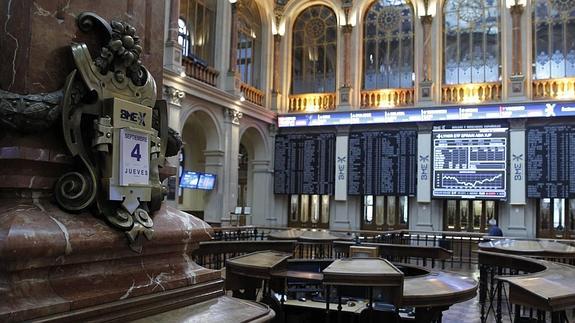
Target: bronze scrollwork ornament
[[103, 98]]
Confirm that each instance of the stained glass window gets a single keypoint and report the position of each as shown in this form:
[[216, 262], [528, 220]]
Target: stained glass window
[[314, 56], [471, 41], [388, 45], [553, 39]]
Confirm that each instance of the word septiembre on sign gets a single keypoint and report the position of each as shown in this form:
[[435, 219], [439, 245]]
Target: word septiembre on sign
[[134, 158]]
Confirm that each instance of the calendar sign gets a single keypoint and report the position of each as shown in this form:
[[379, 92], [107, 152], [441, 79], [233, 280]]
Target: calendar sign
[[134, 158]]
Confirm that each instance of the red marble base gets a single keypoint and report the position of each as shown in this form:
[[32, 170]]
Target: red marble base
[[74, 266]]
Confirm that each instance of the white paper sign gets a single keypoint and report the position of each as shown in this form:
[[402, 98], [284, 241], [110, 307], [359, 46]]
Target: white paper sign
[[134, 158], [341, 168]]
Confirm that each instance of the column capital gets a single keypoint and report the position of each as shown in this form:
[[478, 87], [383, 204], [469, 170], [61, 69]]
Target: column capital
[[347, 29], [426, 20], [273, 129], [516, 9], [174, 96], [233, 116]]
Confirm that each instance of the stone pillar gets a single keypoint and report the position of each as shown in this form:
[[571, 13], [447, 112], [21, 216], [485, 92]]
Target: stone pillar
[[341, 209], [173, 50], [345, 90], [262, 191], [174, 97], [233, 81], [232, 146], [423, 208], [427, 82], [517, 78], [214, 200], [517, 181]]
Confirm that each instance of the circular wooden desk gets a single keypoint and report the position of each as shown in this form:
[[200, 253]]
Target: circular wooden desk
[[537, 248], [428, 292], [546, 286]]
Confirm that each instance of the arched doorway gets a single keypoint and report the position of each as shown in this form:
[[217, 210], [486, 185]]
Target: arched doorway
[[200, 136], [254, 177]]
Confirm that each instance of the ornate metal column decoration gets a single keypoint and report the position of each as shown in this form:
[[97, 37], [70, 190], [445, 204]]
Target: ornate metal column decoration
[[233, 39], [109, 105], [346, 29], [276, 75], [426, 22], [427, 82], [517, 78], [174, 17], [516, 12], [173, 49]]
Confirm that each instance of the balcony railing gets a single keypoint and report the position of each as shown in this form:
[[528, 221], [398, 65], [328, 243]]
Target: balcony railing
[[311, 102], [199, 71], [471, 93], [554, 88], [387, 98], [252, 94]]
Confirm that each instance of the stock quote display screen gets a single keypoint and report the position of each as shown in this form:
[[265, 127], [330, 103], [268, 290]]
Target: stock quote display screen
[[551, 161], [470, 161]]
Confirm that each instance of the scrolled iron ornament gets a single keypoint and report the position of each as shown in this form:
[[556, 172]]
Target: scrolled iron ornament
[[74, 191]]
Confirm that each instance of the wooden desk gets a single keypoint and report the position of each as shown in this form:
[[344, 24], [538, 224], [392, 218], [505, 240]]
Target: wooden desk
[[247, 271], [547, 286], [220, 309], [538, 248]]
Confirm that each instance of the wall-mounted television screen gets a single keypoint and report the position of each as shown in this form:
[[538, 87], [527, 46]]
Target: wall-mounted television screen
[[189, 179], [470, 161], [206, 181]]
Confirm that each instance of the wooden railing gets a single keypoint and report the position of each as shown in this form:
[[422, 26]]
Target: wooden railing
[[199, 71], [387, 98], [471, 93], [252, 94], [311, 102], [554, 88]]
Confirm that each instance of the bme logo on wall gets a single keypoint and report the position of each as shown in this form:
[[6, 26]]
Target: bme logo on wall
[[138, 118]]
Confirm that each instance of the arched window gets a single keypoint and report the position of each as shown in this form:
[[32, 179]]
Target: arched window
[[553, 38], [471, 41], [314, 54], [388, 45], [200, 16], [249, 42], [183, 36]]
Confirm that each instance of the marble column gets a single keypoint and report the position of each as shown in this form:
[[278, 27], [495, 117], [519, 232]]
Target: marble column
[[517, 78], [214, 200], [426, 84], [345, 90], [173, 50], [276, 73], [232, 146], [262, 191], [233, 81]]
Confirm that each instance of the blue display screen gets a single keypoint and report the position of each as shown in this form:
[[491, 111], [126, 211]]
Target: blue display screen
[[396, 115], [206, 181], [189, 179]]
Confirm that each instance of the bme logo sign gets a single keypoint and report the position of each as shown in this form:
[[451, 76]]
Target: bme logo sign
[[135, 117]]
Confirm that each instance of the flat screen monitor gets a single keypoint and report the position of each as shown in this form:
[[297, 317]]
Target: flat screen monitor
[[206, 181], [189, 179], [470, 161]]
